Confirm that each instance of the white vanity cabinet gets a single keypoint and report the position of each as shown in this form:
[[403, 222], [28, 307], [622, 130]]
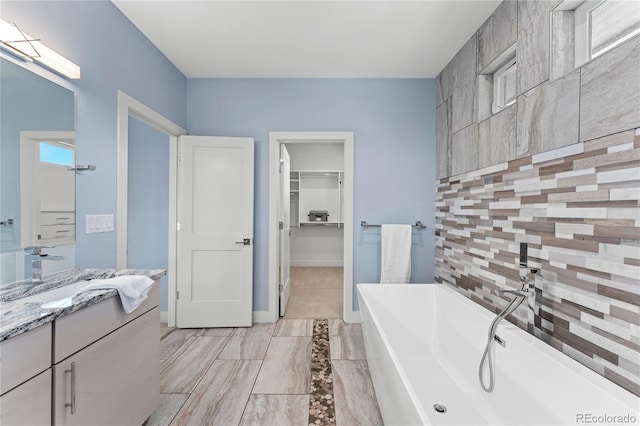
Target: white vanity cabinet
[[29, 404], [107, 364], [114, 381], [25, 378], [96, 366]]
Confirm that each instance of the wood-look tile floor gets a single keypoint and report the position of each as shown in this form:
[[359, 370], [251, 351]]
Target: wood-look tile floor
[[260, 375]]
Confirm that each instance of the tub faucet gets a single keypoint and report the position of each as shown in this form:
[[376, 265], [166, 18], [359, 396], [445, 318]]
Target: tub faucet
[[527, 292], [528, 282], [36, 256], [527, 289]]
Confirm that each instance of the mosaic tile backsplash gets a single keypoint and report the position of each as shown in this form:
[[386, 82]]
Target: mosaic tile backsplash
[[578, 208]]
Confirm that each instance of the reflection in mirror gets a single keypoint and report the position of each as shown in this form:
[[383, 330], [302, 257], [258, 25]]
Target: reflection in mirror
[[47, 188], [37, 146]]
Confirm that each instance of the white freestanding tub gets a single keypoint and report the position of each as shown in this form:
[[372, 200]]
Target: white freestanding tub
[[424, 344]]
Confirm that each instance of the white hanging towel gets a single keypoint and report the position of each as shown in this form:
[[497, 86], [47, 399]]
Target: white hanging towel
[[396, 254]]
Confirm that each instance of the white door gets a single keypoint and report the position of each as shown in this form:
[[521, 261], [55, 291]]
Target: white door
[[285, 228], [215, 232]]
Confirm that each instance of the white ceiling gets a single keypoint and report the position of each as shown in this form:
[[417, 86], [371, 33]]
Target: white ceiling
[[308, 39]]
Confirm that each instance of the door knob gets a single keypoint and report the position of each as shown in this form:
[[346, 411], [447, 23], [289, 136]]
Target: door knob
[[245, 242]]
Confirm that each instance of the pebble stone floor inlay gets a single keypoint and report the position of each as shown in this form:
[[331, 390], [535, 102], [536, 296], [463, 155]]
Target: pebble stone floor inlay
[[321, 407]]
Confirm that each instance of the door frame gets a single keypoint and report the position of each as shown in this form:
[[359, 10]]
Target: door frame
[[130, 107], [284, 234], [275, 139]]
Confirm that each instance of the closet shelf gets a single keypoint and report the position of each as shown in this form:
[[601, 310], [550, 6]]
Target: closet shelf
[[316, 190]]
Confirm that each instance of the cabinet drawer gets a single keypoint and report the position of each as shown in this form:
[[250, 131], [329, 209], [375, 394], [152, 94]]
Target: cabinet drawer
[[56, 232], [84, 327], [116, 380], [29, 404], [57, 218], [24, 356]]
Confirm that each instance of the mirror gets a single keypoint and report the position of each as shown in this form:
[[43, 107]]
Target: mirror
[[37, 150]]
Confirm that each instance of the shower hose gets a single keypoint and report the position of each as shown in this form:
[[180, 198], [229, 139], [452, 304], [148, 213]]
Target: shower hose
[[512, 306]]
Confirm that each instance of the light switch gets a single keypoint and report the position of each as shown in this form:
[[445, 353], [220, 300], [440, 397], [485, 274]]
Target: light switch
[[99, 223]]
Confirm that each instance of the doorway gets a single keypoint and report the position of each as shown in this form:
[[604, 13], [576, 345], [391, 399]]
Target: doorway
[[128, 108], [320, 197], [148, 202], [316, 237], [133, 113]]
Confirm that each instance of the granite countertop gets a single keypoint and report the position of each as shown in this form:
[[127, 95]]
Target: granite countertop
[[18, 316]]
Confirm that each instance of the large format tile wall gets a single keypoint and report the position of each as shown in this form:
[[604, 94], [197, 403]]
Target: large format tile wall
[[559, 169]]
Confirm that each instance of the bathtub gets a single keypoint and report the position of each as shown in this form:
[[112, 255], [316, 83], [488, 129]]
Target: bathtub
[[424, 344]]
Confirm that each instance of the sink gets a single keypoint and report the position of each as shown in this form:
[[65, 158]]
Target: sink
[[59, 297], [39, 293], [59, 303]]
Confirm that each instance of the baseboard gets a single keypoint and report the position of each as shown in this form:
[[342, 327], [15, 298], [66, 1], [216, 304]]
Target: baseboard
[[317, 263], [258, 317], [262, 317], [352, 317]]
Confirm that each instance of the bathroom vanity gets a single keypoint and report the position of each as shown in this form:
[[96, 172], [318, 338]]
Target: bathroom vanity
[[86, 363]]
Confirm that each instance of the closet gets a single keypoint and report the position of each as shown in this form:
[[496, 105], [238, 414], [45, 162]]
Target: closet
[[316, 181]]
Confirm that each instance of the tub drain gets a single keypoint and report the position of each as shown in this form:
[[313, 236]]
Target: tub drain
[[440, 408]]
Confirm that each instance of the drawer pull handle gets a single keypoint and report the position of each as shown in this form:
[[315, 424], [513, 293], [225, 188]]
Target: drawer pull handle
[[72, 404], [62, 218], [62, 232]]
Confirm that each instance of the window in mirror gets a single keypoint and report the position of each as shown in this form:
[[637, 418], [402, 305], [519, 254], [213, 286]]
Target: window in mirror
[[59, 154]]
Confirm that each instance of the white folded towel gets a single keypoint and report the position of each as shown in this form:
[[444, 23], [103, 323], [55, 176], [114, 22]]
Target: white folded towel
[[133, 289], [396, 254]]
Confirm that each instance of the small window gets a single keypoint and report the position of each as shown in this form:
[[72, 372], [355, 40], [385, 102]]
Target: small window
[[56, 153], [504, 86], [602, 25]]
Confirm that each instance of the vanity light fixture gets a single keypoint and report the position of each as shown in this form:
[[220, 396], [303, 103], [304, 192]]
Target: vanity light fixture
[[29, 48]]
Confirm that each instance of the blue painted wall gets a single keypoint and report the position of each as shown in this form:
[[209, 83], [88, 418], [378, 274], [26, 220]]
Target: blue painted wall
[[148, 202], [393, 122], [394, 125], [113, 55]]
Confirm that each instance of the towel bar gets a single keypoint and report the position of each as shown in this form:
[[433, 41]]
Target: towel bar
[[418, 225]]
